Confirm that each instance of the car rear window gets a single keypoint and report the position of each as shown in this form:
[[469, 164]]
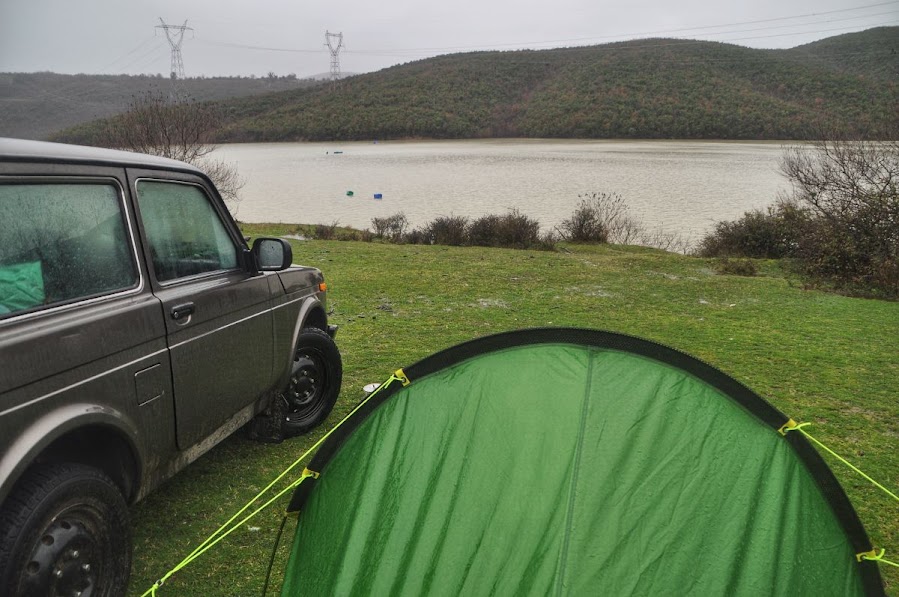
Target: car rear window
[[60, 243]]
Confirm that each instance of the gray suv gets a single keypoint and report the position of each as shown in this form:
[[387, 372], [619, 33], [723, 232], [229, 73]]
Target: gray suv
[[137, 330]]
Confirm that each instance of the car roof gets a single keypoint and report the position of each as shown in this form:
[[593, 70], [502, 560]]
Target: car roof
[[44, 151]]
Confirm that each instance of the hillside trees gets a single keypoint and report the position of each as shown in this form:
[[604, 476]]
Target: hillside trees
[[643, 89]]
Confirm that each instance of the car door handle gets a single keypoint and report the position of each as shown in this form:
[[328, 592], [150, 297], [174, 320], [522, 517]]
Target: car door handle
[[179, 312]]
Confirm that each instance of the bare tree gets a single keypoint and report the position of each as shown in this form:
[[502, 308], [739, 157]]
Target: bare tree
[[839, 178], [179, 128], [227, 180], [852, 190]]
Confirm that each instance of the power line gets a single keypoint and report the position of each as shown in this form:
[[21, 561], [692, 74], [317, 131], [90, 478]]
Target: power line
[[788, 25], [123, 56], [152, 57], [426, 51], [155, 52], [412, 53], [628, 36], [665, 31], [401, 54], [226, 44]]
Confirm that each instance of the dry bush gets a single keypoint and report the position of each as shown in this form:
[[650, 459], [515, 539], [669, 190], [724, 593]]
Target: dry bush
[[392, 228], [446, 230], [601, 218], [326, 231], [771, 234], [517, 231], [736, 267], [482, 231]]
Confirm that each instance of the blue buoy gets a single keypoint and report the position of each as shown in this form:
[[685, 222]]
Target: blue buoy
[[378, 196]]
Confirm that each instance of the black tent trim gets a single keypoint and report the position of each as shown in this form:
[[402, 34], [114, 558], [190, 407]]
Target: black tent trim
[[831, 489]]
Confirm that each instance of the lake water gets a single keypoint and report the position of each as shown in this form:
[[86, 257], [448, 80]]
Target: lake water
[[680, 186]]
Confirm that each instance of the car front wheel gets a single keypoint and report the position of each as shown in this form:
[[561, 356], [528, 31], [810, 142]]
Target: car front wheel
[[314, 384], [64, 531]]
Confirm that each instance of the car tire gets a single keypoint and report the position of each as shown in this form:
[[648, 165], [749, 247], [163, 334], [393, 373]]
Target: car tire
[[314, 383], [64, 530]]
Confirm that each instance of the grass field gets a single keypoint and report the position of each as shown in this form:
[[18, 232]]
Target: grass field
[[822, 358]]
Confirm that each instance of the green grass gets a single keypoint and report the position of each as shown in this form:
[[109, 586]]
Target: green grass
[[822, 358]]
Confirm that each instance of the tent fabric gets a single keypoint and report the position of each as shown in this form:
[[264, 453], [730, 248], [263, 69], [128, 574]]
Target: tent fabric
[[572, 462]]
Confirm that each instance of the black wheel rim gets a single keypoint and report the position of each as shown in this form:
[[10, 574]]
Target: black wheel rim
[[68, 556], [308, 381]]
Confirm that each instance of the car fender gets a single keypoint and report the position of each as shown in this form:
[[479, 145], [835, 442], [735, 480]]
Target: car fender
[[308, 307], [35, 439]]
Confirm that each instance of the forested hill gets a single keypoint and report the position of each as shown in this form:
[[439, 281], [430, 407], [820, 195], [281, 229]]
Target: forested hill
[[873, 53], [659, 88], [34, 105]]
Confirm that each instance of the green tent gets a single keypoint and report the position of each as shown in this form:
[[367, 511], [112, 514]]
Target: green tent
[[572, 462]]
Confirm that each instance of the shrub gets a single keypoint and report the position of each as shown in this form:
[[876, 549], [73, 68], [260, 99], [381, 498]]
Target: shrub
[[416, 237], [517, 231], [513, 230], [600, 218], [771, 234], [547, 241], [482, 232], [392, 228], [845, 255], [736, 267], [584, 225], [325, 231], [446, 230], [350, 235]]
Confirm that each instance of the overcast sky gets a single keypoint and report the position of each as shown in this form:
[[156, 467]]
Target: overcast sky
[[242, 37]]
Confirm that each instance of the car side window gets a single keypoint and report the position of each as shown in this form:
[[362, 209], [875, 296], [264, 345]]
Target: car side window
[[61, 242], [185, 234]]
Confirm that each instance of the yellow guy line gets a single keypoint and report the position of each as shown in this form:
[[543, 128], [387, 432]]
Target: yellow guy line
[[792, 425], [873, 555], [223, 531]]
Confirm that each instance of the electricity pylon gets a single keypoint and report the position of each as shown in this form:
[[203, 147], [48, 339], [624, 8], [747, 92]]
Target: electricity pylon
[[334, 48], [175, 41]]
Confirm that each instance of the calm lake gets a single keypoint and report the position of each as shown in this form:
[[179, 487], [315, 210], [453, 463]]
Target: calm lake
[[680, 186]]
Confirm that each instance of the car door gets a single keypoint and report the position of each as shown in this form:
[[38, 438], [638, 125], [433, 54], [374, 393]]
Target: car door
[[218, 316], [82, 341]]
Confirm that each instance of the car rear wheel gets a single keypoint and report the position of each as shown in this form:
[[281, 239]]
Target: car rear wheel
[[65, 532], [314, 383]]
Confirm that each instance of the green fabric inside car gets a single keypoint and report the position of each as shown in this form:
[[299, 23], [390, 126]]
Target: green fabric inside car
[[21, 286]]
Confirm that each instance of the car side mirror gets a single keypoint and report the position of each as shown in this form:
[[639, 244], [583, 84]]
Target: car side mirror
[[272, 254]]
